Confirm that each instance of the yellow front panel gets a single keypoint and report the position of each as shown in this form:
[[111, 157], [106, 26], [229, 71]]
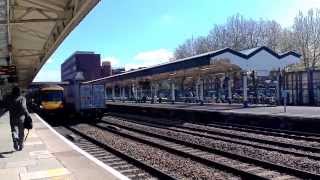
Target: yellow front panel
[[52, 105]]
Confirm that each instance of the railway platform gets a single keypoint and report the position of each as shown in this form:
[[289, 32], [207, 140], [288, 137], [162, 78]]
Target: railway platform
[[291, 111], [47, 155], [300, 118]]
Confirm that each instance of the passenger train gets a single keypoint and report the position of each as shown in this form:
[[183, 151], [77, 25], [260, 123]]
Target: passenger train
[[47, 99]]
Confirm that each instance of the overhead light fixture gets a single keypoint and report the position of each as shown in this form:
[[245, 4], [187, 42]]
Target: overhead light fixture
[[204, 69]]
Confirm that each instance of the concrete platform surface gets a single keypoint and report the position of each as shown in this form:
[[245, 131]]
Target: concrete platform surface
[[48, 155], [291, 111]]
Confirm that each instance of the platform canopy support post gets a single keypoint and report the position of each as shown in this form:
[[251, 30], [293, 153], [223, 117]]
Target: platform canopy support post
[[229, 90], [123, 93], [278, 88], [201, 82], [129, 92], [134, 91], [113, 92], [151, 92], [197, 90], [156, 87], [173, 95], [245, 89]]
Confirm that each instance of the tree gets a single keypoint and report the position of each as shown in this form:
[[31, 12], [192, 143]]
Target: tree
[[187, 49], [237, 33], [306, 31]]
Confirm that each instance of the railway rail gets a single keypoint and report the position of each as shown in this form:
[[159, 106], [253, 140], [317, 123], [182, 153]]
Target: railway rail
[[177, 165], [203, 131], [128, 166], [307, 136], [286, 169]]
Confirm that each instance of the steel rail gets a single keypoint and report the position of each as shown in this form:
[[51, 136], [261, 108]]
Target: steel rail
[[273, 166]]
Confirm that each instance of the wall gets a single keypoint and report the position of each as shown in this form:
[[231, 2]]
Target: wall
[[89, 64]]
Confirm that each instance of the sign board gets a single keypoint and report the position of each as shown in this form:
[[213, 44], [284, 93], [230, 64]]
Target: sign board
[[8, 70]]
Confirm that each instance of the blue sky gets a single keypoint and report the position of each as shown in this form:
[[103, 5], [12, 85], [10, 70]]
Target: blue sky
[[136, 33]]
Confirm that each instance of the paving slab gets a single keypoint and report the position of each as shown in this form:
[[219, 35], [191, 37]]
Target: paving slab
[[48, 155]]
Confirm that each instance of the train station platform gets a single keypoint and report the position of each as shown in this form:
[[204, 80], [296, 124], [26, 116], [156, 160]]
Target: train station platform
[[47, 155], [295, 118]]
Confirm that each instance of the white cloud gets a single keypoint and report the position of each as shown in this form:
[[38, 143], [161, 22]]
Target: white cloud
[[48, 76], [114, 61], [149, 58], [155, 55]]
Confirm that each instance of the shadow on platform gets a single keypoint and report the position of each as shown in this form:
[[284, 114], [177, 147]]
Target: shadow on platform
[[7, 152]]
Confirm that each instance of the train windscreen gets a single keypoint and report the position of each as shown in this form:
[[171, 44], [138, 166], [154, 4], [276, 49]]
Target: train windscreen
[[52, 96]]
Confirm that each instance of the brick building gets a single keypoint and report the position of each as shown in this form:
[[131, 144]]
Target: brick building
[[86, 62]]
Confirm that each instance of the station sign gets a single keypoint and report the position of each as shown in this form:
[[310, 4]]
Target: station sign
[[8, 70]]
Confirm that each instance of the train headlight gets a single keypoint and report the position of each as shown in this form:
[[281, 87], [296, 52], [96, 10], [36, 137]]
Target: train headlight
[[41, 107]]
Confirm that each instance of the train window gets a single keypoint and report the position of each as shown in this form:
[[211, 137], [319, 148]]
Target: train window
[[52, 96]]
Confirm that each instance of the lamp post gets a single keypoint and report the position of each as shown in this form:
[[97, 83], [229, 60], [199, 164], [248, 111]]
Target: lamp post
[[245, 88]]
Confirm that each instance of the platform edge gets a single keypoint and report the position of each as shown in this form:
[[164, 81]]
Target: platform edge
[[87, 155]]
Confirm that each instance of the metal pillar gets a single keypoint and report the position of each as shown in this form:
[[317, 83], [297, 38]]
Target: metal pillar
[[229, 90], [156, 90], [123, 93], [201, 82], [278, 91], [134, 91], [173, 95], [113, 92], [139, 92], [197, 90], [245, 89]]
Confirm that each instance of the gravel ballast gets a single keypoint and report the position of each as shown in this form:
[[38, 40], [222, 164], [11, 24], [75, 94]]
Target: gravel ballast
[[301, 163], [179, 167]]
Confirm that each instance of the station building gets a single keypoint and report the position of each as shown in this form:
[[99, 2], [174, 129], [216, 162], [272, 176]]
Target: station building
[[106, 69], [86, 62], [219, 76]]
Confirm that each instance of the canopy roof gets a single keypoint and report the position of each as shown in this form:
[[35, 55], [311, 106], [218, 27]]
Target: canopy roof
[[192, 62], [31, 30]]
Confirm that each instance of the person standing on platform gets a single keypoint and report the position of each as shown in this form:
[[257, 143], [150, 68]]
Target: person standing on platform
[[18, 112]]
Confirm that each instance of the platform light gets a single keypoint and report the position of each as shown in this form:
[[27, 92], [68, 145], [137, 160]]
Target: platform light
[[204, 69]]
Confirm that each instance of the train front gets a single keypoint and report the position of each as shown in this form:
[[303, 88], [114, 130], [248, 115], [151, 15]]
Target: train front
[[52, 100]]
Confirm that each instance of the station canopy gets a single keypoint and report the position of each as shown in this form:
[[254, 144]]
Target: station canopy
[[31, 30]]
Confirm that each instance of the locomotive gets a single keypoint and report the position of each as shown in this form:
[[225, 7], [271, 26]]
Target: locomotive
[[47, 99]]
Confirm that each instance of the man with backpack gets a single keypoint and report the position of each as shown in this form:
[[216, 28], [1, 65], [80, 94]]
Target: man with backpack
[[19, 117]]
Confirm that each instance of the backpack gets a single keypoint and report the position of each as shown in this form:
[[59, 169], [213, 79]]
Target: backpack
[[28, 122]]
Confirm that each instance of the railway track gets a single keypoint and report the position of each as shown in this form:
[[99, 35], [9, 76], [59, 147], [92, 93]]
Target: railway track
[[267, 131], [256, 167], [128, 166], [176, 168], [221, 134], [196, 132]]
